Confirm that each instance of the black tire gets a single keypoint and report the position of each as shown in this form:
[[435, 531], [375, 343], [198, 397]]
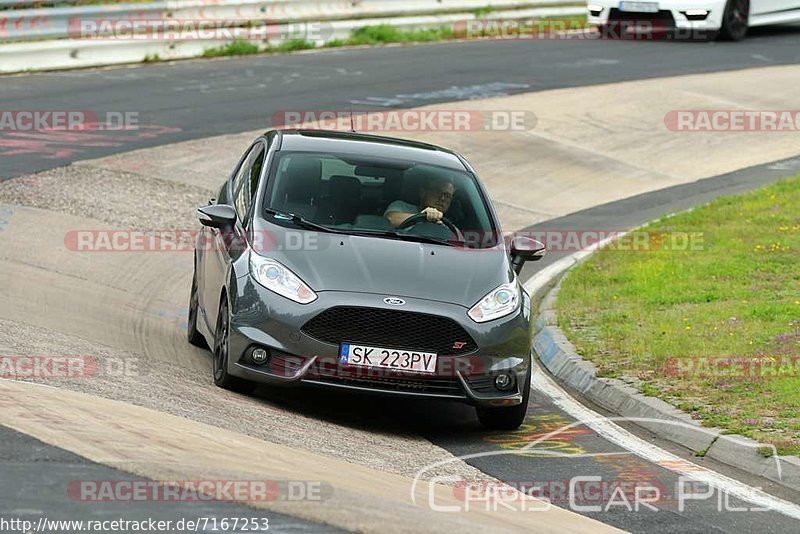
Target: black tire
[[194, 337], [507, 417], [735, 20], [220, 354]]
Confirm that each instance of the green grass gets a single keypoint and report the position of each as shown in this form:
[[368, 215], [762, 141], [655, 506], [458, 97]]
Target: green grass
[[234, 48], [483, 11], [292, 45], [385, 33], [632, 313]]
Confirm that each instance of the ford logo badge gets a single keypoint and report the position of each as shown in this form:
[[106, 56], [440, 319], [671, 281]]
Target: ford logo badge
[[394, 301]]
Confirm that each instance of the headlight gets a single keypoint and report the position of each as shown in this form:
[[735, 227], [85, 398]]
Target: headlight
[[498, 303], [275, 277]]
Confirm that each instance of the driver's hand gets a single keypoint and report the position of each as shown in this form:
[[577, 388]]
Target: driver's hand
[[433, 214]]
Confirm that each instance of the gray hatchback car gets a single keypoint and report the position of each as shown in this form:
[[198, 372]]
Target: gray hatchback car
[[367, 263]]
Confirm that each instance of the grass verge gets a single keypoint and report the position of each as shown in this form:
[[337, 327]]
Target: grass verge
[[715, 331], [234, 48], [388, 34]]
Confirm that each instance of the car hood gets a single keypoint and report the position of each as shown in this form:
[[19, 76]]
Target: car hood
[[390, 267]]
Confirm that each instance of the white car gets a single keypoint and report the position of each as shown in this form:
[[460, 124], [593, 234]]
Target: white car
[[728, 19]]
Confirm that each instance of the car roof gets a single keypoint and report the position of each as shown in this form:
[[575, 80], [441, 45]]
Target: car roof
[[369, 145]]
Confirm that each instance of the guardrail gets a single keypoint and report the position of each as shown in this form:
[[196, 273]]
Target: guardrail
[[38, 4], [64, 22], [52, 43], [20, 3], [59, 22]]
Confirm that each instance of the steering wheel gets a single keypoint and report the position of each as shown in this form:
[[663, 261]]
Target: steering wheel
[[423, 218]]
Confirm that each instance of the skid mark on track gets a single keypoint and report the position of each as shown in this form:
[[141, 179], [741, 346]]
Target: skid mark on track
[[68, 144]]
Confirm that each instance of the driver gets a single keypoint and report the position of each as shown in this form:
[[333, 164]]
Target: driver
[[435, 197]]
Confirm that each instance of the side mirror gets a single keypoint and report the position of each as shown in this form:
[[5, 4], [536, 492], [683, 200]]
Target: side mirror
[[219, 216], [525, 249]]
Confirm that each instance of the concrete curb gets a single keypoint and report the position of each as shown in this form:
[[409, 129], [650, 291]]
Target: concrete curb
[[562, 360]]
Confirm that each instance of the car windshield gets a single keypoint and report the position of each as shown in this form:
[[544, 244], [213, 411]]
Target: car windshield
[[357, 195]]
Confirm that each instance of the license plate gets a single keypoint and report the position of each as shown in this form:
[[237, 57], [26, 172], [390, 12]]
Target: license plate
[[396, 359], [639, 7]]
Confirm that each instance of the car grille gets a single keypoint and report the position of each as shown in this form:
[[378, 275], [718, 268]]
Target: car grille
[[481, 383], [659, 19], [390, 329], [285, 364], [448, 386]]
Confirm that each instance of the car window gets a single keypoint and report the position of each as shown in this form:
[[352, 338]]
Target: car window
[[355, 192], [246, 180], [238, 177], [336, 167], [255, 173]]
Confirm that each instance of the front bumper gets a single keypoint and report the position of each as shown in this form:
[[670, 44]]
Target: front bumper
[[672, 15], [262, 319]]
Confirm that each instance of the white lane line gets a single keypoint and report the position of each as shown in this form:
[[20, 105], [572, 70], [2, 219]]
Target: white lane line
[[614, 433]]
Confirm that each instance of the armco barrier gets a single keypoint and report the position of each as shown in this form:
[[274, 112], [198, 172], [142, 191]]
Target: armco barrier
[[78, 53], [56, 22]]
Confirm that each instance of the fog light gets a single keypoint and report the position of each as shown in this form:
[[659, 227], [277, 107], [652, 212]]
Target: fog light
[[503, 382], [259, 356]]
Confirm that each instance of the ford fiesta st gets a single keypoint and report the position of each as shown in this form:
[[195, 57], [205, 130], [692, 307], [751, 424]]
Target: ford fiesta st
[[367, 263], [728, 19]]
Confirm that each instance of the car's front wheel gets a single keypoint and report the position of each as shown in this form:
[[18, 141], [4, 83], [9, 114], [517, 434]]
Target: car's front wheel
[[735, 20], [507, 417], [221, 353]]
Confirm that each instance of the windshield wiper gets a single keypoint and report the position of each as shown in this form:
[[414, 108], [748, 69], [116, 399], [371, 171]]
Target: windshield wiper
[[305, 223], [301, 222], [406, 237]]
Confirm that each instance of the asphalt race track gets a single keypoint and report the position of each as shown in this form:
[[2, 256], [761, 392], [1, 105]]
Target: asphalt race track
[[34, 475], [195, 99], [198, 99]]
